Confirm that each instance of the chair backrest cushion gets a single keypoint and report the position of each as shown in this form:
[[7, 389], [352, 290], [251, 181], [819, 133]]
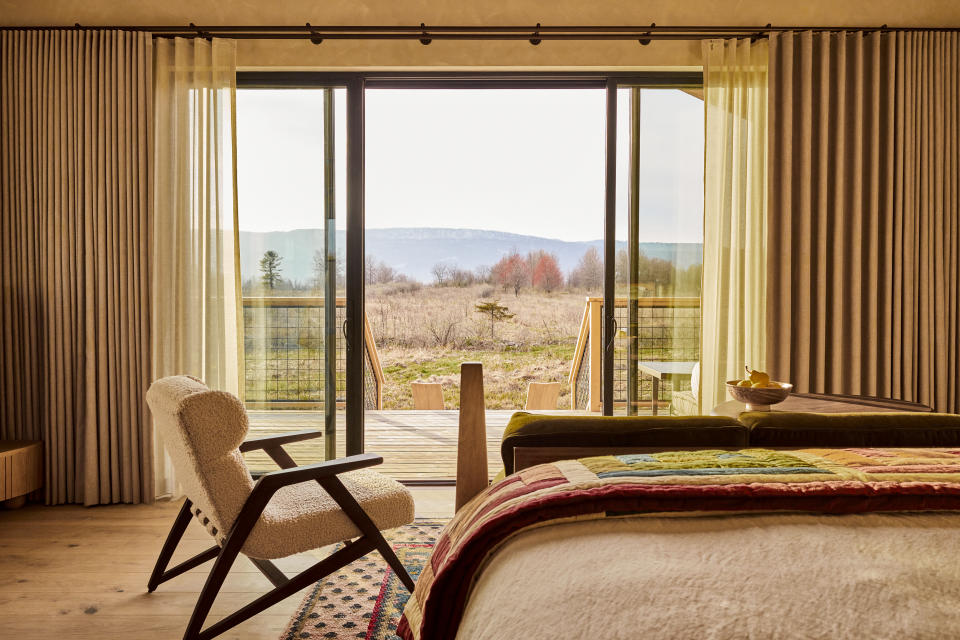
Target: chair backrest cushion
[[202, 431]]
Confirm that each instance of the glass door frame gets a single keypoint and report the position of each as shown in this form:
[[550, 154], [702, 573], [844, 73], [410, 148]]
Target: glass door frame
[[356, 83]]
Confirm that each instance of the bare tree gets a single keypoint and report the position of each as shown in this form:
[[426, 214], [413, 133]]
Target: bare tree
[[461, 277], [443, 329], [441, 273], [483, 273], [377, 272], [588, 274]]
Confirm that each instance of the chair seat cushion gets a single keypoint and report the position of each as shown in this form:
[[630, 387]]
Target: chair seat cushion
[[887, 429], [303, 516]]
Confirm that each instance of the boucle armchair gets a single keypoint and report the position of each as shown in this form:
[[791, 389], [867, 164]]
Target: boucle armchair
[[289, 511]]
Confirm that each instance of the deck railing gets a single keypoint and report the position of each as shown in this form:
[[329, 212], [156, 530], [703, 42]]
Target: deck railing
[[284, 346], [669, 329]]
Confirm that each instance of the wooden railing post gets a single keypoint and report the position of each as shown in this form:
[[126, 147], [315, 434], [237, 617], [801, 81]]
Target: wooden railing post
[[596, 354], [472, 475]]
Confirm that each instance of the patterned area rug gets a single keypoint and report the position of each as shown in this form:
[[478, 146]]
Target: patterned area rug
[[365, 599]]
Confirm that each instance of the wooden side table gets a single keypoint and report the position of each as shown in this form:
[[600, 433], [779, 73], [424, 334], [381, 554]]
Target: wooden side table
[[21, 471], [825, 403]]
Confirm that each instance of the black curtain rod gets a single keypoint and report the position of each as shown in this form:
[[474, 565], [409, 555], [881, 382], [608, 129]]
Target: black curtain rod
[[535, 34]]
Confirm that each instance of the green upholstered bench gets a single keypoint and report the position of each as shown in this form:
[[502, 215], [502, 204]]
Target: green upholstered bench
[[534, 439], [769, 429], [531, 439]]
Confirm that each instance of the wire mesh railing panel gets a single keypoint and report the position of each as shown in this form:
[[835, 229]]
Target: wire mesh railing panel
[[369, 383], [341, 359], [284, 346], [582, 399], [664, 334]]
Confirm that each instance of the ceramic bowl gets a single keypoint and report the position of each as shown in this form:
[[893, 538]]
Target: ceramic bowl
[[759, 399]]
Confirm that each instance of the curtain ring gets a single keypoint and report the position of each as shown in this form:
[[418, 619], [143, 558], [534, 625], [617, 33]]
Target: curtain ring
[[535, 40], [424, 39], [315, 37], [646, 41]]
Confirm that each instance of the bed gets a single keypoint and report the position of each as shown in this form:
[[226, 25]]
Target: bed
[[755, 543]]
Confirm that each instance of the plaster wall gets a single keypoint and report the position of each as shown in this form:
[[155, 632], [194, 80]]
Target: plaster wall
[[474, 54]]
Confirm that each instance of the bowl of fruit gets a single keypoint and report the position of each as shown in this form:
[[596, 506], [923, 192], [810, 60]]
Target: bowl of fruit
[[758, 391]]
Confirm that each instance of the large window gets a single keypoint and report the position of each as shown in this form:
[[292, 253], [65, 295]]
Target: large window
[[392, 227]]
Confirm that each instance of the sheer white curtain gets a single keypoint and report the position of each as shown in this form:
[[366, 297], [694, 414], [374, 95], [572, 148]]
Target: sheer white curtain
[[735, 206], [196, 293]]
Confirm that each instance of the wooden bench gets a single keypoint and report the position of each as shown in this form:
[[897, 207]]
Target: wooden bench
[[21, 471]]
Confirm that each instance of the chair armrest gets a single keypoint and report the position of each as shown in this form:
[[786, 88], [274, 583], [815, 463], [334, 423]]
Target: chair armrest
[[279, 439], [284, 477]]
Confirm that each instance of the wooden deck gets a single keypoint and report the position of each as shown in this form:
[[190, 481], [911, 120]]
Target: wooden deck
[[415, 445]]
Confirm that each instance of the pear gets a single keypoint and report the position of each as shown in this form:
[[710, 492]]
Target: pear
[[744, 383], [758, 378]]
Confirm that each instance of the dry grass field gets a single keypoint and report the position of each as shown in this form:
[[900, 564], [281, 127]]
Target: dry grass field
[[424, 333]]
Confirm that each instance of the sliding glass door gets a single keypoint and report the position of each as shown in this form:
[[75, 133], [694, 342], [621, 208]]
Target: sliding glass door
[[659, 250], [291, 193], [484, 230], [342, 178]]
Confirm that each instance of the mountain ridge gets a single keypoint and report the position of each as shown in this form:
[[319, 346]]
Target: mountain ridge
[[413, 251]]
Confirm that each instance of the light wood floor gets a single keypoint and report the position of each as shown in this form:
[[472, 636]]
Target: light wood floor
[[81, 573], [415, 445]]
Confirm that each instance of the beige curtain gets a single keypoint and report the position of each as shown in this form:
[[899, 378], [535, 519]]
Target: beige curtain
[[864, 221], [75, 154], [196, 288], [735, 201]]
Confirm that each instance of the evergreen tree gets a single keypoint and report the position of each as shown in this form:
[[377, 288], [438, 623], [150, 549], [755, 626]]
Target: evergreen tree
[[270, 268], [495, 311]]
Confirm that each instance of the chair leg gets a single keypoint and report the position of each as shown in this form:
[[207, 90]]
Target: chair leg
[[321, 569], [271, 571], [169, 546], [391, 557], [211, 588]]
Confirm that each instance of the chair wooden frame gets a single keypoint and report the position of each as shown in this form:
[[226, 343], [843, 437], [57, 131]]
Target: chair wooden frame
[[325, 473], [427, 396]]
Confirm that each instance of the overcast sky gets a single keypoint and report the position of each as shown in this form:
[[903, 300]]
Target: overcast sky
[[522, 161]]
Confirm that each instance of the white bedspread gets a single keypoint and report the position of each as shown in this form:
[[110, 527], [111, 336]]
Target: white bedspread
[[873, 576]]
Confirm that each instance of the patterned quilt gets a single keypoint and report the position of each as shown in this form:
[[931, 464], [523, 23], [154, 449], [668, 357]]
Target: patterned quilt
[[751, 480]]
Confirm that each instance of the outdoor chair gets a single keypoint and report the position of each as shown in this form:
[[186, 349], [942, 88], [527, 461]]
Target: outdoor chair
[[542, 396], [289, 511], [427, 396]]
